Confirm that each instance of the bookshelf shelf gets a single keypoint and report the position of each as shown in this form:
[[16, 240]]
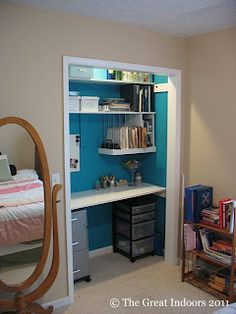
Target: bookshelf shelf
[[202, 284], [205, 257], [106, 151], [210, 227]]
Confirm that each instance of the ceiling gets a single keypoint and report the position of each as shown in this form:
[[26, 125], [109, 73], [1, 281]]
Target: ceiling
[[181, 18]]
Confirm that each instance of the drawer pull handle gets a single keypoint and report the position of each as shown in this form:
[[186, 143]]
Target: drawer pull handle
[[74, 219], [75, 243], [76, 271]]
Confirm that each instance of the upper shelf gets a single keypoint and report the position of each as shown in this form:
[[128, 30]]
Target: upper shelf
[[117, 82], [113, 112]]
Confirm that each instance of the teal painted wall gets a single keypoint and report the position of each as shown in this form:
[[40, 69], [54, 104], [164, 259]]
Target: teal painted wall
[[93, 164]]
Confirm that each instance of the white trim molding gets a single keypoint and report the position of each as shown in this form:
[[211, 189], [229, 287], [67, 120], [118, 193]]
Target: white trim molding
[[173, 152]]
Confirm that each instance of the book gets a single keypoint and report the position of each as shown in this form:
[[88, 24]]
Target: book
[[139, 96], [203, 199], [221, 210], [189, 238], [197, 198], [131, 93], [189, 202]]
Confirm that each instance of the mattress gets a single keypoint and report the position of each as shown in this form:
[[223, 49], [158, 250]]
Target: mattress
[[21, 211]]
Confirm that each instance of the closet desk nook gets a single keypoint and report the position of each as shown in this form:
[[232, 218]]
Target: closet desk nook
[[82, 200], [121, 124]]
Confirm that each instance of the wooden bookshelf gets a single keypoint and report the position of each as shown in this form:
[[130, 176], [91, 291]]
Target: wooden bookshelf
[[197, 263]]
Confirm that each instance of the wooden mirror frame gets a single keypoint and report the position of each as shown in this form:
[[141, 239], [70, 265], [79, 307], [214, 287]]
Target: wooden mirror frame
[[24, 303]]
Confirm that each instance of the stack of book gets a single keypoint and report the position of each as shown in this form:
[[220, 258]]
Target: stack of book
[[211, 216], [115, 104], [128, 137], [222, 246], [218, 249], [221, 281]]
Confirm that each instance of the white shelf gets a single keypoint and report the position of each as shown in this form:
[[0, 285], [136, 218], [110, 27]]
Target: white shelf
[[113, 112], [95, 197], [107, 151], [119, 82]]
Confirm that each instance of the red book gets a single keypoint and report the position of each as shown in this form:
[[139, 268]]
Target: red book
[[221, 214]]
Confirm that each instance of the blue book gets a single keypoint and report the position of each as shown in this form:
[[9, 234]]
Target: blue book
[[189, 202]]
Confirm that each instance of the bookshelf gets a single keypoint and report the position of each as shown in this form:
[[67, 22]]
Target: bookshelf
[[208, 256], [125, 105]]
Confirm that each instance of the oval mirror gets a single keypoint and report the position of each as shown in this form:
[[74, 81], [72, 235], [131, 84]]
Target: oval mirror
[[25, 208]]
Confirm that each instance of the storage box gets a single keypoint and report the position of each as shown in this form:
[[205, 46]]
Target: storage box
[[74, 103], [139, 247], [76, 71], [89, 104], [141, 230], [135, 218], [135, 209]]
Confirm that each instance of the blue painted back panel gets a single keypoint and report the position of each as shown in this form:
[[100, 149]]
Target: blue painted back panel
[[100, 226]]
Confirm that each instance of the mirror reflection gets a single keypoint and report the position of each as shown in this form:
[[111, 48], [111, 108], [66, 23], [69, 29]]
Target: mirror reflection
[[21, 205]]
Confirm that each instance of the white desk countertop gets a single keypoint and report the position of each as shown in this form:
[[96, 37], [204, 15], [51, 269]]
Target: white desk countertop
[[95, 197]]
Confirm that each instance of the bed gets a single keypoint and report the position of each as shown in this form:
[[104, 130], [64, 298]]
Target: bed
[[21, 209]]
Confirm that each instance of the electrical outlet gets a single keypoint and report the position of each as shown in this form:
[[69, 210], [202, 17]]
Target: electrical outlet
[[55, 179]]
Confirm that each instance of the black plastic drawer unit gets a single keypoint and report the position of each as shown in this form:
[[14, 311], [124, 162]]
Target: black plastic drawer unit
[[133, 227]]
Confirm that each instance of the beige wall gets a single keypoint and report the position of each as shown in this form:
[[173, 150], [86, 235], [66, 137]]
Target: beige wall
[[211, 99], [32, 45]]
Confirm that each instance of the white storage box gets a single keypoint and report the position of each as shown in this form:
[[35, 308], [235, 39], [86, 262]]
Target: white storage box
[[76, 71], [74, 103], [89, 103]]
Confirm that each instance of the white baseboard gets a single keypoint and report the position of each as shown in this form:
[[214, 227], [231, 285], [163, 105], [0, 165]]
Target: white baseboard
[[101, 251], [59, 303]]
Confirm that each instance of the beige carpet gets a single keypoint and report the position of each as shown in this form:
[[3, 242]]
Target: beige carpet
[[135, 285]]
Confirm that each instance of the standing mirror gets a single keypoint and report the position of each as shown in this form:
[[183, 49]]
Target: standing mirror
[[27, 215]]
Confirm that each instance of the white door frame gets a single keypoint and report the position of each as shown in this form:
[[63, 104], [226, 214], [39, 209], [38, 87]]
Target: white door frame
[[173, 154]]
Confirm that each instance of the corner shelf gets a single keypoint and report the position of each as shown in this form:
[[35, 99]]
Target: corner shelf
[[107, 151]]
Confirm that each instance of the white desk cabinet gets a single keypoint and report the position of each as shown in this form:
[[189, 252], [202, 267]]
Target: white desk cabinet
[[80, 245]]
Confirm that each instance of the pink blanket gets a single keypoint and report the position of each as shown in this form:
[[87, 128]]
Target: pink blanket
[[21, 211]]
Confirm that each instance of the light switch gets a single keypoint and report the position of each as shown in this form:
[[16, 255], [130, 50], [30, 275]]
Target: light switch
[[55, 179]]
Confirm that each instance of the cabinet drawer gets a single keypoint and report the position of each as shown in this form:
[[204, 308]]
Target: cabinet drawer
[[140, 230], [80, 264], [135, 218], [139, 247], [136, 209], [79, 229]]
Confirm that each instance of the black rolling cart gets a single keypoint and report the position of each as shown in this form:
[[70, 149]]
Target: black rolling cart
[[133, 227]]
